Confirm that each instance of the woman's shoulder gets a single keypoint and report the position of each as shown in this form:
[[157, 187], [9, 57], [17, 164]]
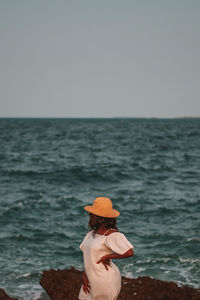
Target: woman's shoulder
[[87, 235], [115, 235], [112, 231], [118, 242]]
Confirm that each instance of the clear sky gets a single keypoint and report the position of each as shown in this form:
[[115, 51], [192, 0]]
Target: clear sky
[[99, 58]]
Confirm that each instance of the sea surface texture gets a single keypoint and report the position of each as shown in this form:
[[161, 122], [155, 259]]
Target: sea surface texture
[[51, 168]]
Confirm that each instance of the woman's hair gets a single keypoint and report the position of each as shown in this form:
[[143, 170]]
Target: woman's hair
[[95, 222]]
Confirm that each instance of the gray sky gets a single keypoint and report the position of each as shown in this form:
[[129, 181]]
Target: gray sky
[[99, 58]]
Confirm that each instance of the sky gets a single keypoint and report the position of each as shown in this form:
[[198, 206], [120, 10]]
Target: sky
[[99, 58]]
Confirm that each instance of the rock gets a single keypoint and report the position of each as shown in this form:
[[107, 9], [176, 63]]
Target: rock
[[4, 296], [65, 285], [62, 284]]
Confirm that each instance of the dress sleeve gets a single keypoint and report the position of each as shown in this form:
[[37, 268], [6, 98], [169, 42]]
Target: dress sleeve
[[118, 243], [85, 238]]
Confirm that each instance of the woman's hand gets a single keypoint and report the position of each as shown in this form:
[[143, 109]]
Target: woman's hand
[[86, 285], [105, 261], [86, 288]]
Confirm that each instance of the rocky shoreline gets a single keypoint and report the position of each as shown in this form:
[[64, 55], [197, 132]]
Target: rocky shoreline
[[4, 296], [65, 285]]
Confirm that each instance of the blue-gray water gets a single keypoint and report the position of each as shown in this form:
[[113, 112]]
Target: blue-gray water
[[51, 168]]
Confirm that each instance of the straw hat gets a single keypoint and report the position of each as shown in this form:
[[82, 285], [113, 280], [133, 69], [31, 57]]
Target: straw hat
[[102, 207]]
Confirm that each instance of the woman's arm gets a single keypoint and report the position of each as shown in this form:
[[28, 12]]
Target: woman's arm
[[86, 285], [105, 260]]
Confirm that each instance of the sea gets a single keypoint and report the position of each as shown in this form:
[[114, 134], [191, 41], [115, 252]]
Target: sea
[[51, 168]]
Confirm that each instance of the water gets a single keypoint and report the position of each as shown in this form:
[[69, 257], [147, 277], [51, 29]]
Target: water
[[51, 168]]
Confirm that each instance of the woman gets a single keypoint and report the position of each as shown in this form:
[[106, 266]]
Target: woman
[[101, 277]]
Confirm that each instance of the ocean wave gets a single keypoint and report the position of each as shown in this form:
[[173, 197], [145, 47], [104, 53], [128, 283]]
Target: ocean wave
[[81, 174], [40, 296], [193, 240], [31, 292], [24, 275], [188, 260], [139, 270]]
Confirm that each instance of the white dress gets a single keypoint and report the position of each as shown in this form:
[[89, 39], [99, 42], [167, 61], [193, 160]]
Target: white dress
[[104, 285]]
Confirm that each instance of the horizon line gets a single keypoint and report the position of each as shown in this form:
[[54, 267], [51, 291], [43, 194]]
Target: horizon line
[[120, 117], [99, 118]]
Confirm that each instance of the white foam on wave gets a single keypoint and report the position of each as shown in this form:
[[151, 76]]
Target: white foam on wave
[[41, 296], [24, 275], [163, 259], [30, 291], [128, 275], [188, 260], [188, 278], [193, 239], [126, 271], [140, 270]]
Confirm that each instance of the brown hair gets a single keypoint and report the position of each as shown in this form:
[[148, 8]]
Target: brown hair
[[95, 222]]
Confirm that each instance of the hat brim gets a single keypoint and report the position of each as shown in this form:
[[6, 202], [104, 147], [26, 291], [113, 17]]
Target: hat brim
[[112, 213]]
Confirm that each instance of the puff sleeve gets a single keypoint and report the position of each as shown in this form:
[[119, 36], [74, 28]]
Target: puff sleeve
[[118, 243], [85, 239]]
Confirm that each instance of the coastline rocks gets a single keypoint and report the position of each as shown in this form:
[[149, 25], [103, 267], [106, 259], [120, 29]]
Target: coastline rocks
[[65, 285], [4, 296]]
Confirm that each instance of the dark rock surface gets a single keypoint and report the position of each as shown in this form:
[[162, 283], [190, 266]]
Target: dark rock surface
[[4, 296], [65, 285]]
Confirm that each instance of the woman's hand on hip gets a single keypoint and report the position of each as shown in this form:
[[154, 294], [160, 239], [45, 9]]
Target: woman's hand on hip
[[105, 261]]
